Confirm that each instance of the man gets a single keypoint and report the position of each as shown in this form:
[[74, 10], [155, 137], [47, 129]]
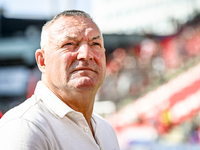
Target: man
[[59, 116]]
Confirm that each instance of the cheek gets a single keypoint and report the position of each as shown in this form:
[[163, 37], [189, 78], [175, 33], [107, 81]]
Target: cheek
[[52, 68], [53, 64], [64, 63], [101, 60]]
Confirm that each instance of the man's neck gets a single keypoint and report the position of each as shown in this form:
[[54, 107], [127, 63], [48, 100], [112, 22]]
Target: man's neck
[[79, 101], [82, 103]]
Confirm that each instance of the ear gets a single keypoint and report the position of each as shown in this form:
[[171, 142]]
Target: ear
[[40, 59]]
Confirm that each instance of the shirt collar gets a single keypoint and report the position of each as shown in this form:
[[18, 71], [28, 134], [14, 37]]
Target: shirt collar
[[54, 104], [96, 118]]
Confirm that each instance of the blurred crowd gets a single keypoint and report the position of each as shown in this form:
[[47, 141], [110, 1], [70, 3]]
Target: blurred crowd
[[135, 70]]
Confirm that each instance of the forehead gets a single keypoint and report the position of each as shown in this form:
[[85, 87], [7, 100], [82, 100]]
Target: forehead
[[74, 26]]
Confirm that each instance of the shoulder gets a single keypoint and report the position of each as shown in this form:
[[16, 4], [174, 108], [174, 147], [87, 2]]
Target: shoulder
[[23, 135], [23, 110], [21, 126], [29, 112]]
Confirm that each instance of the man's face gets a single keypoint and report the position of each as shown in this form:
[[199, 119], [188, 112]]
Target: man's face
[[75, 56]]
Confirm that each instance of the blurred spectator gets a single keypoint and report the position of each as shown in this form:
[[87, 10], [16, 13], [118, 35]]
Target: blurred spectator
[[32, 81], [1, 114]]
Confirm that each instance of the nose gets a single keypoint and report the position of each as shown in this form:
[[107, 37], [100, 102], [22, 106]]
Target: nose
[[84, 52]]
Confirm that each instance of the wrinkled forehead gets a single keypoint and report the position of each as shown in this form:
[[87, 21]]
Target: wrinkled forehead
[[73, 25]]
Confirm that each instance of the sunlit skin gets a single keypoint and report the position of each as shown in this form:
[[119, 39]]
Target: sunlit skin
[[73, 62]]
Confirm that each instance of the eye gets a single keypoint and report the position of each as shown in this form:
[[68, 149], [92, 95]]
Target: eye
[[96, 43], [69, 44]]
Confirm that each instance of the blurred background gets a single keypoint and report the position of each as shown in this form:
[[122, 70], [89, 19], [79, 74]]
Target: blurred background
[[151, 94]]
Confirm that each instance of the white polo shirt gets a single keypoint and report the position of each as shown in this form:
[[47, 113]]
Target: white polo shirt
[[44, 122]]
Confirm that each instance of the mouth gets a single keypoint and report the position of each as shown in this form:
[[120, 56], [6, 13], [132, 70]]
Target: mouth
[[83, 69]]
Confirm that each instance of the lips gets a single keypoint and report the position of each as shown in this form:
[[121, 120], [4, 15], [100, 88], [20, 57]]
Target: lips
[[83, 69]]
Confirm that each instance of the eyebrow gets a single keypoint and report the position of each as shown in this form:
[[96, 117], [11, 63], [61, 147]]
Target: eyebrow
[[75, 37], [96, 37], [70, 37]]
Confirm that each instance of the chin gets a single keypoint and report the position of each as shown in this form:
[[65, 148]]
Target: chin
[[85, 84]]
